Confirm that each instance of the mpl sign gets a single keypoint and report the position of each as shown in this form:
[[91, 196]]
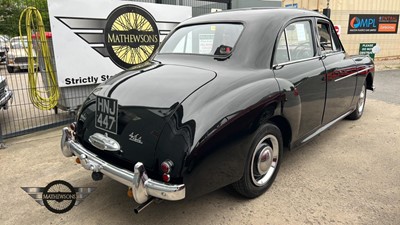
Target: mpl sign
[[373, 24]]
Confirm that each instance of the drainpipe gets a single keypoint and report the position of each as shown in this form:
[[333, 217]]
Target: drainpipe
[[327, 10]]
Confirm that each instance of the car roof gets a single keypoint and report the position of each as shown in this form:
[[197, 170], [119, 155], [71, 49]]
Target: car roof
[[17, 38], [258, 14]]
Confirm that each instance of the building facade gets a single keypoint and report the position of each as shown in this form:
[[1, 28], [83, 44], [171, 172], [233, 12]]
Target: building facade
[[361, 21]]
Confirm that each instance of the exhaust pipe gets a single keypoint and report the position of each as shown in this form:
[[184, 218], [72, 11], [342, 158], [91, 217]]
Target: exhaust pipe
[[144, 205], [96, 176]]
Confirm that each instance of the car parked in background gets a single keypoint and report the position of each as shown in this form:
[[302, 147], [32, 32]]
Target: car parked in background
[[17, 56], [216, 105], [4, 47], [5, 93]]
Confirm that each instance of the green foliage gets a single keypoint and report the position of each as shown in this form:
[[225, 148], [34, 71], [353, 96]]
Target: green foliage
[[10, 11]]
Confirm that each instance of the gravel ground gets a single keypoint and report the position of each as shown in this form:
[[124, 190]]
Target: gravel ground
[[350, 174]]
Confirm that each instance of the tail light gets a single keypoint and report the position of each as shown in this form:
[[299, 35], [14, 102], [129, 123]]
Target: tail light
[[166, 168], [166, 177]]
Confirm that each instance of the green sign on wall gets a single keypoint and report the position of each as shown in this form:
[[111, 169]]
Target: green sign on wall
[[366, 49]]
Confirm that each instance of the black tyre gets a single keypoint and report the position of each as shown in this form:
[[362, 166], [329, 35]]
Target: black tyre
[[10, 69], [262, 162], [358, 112]]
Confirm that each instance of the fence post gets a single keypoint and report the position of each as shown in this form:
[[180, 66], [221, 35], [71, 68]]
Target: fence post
[[2, 145], [229, 4]]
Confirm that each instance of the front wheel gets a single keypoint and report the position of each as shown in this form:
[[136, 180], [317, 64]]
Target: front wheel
[[262, 163], [358, 112]]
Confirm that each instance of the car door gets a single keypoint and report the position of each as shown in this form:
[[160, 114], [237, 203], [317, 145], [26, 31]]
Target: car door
[[299, 70], [340, 72]]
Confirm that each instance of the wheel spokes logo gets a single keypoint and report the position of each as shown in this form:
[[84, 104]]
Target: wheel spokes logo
[[129, 36], [58, 196]]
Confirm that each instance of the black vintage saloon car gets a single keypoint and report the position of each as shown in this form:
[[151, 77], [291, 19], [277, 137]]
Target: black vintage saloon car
[[216, 105]]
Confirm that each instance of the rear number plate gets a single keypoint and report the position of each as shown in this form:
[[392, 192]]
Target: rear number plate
[[107, 114]]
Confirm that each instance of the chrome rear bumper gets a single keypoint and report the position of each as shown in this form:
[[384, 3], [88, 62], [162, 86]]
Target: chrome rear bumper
[[142, 187]]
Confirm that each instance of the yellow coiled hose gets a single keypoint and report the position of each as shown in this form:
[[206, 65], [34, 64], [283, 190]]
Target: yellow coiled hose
[[42, 98]]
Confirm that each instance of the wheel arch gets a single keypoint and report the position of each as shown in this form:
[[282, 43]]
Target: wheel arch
[[284, 126], [370, 82]]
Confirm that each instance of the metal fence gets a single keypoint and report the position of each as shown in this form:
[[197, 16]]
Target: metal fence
[[21, 116]]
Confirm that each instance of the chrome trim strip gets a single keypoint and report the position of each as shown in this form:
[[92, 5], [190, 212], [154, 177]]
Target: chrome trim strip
[[334, 53], [295, 61], [355, 73], [326, 126], [142, 186]]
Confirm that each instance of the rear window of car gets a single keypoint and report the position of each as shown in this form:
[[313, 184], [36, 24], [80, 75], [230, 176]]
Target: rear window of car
[[204, 39]]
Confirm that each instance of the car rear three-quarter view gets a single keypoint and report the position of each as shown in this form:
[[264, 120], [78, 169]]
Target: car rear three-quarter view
[[217, 104]]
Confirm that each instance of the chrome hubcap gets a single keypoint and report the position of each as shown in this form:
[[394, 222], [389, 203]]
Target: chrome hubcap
[[361, 100], [264, 160]]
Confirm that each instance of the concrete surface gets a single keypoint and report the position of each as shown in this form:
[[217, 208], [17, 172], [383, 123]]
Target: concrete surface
[[387, 85], [350, 174], [382, 64]]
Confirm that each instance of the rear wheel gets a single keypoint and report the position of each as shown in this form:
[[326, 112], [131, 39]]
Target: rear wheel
[[358, 112], [262, 163]]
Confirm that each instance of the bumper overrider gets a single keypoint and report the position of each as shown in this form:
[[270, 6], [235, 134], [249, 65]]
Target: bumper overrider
[[143, 188]]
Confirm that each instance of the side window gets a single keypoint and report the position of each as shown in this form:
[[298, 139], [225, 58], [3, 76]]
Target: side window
[[295, 43], [328, 40], [299, 40]]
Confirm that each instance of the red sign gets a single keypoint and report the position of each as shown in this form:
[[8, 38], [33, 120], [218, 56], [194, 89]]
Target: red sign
[[387, 27], [338, 29]]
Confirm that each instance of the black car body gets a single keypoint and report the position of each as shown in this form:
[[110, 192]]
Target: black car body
[[191, 121]]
